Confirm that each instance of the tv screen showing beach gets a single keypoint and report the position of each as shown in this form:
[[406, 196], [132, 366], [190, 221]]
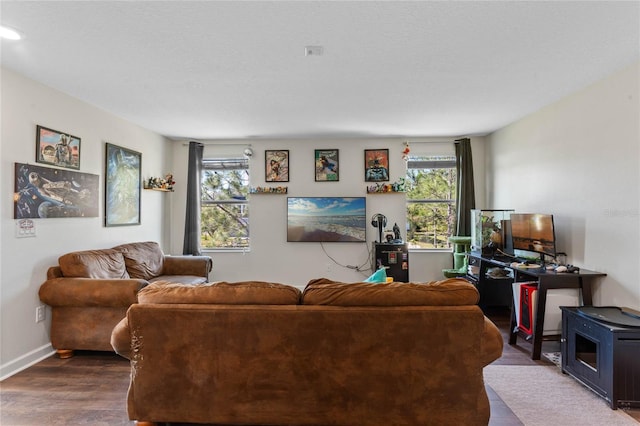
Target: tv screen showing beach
[[326, 219]]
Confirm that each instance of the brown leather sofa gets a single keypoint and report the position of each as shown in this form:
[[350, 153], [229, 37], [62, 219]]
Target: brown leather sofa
[[257, 353], [90, 291]]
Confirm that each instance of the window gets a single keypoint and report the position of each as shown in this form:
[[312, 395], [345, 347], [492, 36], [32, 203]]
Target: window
[[224, 215], [431, 201]]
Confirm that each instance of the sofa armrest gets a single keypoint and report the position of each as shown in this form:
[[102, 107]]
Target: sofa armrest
[[54, 272], [187, 265], [83, 292], [492, 343], [121, 338]]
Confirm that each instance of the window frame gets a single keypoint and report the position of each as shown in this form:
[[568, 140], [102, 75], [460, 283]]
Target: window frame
[[430, 161], [226, 164]]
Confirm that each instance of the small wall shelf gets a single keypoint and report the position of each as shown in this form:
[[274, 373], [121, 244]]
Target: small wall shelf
[[268, 190], [159, 189], [371, 191], [387, 188]]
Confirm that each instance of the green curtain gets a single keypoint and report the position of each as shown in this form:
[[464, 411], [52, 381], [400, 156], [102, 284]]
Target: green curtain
[[191, 243], [466, 200]]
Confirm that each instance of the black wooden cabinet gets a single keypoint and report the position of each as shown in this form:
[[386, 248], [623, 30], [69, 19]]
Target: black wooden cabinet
[[604, 356]]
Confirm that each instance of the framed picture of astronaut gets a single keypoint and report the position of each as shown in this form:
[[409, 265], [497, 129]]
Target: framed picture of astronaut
[[123, 184], [57, 148], [376, 165], [47, 192], [327, 165]]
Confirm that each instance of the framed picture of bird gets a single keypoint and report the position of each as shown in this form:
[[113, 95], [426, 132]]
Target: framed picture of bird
[[327, 169]]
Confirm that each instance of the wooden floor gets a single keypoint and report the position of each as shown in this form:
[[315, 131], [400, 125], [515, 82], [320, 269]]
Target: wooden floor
[[91, 388]]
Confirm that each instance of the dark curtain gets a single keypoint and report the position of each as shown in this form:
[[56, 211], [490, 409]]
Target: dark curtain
[[466, 193], [192, 219]]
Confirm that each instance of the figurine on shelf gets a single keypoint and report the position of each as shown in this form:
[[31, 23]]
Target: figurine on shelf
[[157, 183], [169, 182]]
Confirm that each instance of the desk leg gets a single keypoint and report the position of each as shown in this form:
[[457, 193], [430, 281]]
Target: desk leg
[[513, 325], [585, 286], [538, 331]]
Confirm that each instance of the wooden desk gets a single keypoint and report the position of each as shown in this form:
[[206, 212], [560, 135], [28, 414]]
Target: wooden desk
[[547, 280]]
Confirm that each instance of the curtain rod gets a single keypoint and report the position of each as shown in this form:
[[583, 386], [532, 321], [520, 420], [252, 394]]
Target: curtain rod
[[426, 142], [219, 144]]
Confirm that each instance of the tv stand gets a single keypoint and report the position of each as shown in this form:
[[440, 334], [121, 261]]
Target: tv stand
[[546, 279]]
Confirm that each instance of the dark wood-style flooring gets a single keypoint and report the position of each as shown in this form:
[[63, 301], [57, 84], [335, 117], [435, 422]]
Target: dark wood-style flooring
[[91, 387]]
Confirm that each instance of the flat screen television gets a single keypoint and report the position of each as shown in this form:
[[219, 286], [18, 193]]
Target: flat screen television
[[533, 232], [326, 219]]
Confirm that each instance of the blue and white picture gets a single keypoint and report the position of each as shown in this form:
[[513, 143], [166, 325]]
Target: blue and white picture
[[326, 219], [122, 187], [46, 192]]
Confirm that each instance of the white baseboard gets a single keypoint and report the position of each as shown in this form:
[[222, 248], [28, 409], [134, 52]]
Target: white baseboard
[[25, 361]]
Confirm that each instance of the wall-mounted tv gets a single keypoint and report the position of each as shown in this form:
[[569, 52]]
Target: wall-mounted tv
[[326, 219], [533, 232]]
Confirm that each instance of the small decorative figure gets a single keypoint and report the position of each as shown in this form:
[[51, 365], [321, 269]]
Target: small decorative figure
[[169, 182], [396, 231], [406, 151]]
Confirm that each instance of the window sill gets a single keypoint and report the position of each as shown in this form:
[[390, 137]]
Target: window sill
[[425, 250], [227, 250]]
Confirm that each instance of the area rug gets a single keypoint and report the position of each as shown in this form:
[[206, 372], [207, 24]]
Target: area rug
[[541, 396]]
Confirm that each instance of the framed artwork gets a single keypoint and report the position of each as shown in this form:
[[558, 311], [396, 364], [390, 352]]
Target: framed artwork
[[376, 165], [46, 192], [57, 148], [123, 184], [327, 165], [276, 165]]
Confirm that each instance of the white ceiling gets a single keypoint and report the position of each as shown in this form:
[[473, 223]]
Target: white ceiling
[[225, 70]]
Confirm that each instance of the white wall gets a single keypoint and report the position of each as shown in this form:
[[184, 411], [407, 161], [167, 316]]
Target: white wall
[[24, 261], [578, 159], [271, 257]]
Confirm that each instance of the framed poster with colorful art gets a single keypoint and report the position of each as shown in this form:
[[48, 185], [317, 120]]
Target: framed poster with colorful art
[[327, 165], [123, 184], [276, 163], [46, 192], [376, 165], [57, 148]]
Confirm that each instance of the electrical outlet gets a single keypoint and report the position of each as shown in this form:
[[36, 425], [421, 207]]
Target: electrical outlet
[[40, 313]]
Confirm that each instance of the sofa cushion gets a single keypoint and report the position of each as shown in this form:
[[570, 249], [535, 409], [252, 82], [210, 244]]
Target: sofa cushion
[[179, 279], [105, 263], [239, 293], [143, 259], [449, 292]]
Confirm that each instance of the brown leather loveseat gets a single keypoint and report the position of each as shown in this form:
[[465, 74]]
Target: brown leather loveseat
[[90, 291], [258, 353]]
